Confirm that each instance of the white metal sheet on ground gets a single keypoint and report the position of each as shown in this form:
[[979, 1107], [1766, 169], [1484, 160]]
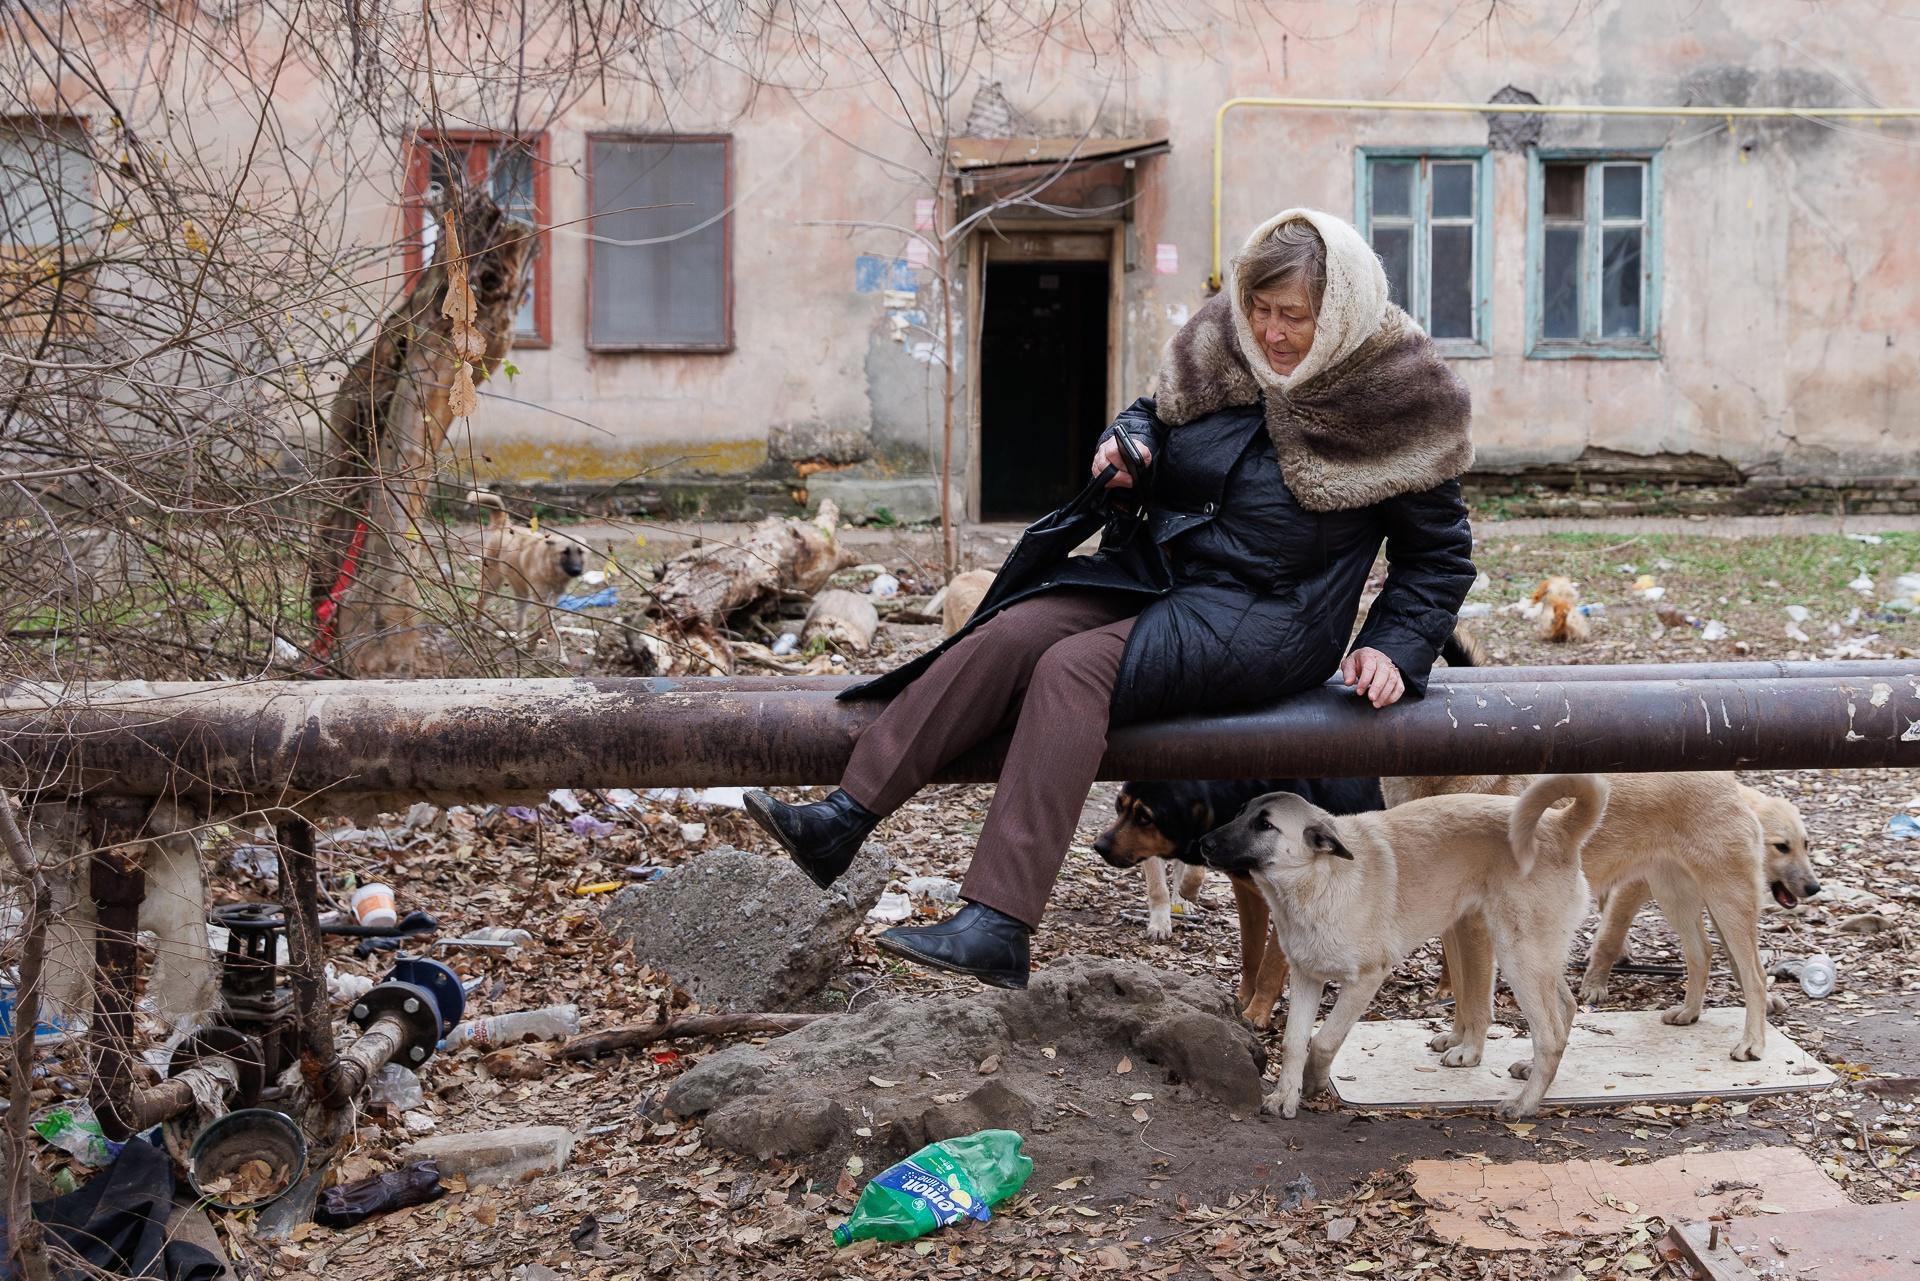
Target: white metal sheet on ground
[[1614, 1055]]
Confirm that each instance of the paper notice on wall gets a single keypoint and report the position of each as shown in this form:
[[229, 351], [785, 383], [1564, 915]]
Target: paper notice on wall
[[917, 255], [1166, 259], [923, 214], [1177, 313]]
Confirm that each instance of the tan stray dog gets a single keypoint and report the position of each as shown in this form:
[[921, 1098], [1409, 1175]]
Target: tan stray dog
[[1789, 878], [1693, 837], [1560, 618], [1351, 897], [527, 566], [962, 597]]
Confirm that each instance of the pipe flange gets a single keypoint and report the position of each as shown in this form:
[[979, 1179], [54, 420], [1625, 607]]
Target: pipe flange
[[225, 1042], [415, 1008]]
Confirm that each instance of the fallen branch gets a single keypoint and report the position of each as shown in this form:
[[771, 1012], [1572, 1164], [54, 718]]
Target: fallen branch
[[613, 1040]]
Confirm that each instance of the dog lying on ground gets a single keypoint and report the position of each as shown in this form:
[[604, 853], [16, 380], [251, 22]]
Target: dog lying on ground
[[1693, 838], [1789, 878], [530, 567], [1352, 896], [1157, 827], [961, 597]]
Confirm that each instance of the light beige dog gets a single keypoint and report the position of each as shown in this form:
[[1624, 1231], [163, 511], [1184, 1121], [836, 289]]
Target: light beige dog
[[961, 598], [1789, 878], [1352, 896], [1694, 838], [530, 567]]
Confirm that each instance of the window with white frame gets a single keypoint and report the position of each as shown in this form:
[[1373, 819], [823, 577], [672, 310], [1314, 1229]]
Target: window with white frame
[[1593, 262], [1425, 214]]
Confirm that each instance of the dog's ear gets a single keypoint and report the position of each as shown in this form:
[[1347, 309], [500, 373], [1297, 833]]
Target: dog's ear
[[1323, 841], [1202, 817]]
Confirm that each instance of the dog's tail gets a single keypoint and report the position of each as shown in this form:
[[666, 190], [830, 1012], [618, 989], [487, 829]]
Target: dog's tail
[[1463, 648], [487, 498], [1535, 835]]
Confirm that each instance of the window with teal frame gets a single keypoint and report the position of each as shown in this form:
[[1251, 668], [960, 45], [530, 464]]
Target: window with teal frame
[[1593, 255], [1425, 212]]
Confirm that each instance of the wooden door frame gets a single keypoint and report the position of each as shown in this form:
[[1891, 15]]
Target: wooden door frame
[[1116, 232]]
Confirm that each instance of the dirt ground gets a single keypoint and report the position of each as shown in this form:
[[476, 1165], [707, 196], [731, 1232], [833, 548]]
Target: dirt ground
[[1192, 1191]]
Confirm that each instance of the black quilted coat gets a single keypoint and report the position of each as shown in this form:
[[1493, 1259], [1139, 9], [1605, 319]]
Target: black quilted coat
[[1247, 596]]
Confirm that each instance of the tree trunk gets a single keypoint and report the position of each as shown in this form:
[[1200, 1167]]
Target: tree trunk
[[386, 428]]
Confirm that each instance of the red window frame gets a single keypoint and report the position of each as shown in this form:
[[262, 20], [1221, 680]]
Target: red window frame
[[478, 146]]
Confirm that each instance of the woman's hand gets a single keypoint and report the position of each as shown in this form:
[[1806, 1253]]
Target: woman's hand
[[1373, 674], [1109, 455]]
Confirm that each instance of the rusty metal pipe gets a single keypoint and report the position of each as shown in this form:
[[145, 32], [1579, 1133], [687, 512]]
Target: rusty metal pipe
[[377, 1046], [289, 743]]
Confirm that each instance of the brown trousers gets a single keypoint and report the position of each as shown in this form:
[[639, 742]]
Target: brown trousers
[[1045, 666]]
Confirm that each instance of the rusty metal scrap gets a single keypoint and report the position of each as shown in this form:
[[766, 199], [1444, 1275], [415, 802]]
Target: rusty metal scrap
[[286, 743]]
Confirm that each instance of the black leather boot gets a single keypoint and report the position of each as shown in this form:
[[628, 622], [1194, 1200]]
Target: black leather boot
[[976, 941], [823, 837]]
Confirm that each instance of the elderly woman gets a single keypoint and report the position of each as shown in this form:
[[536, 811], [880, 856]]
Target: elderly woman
[[1299, 421]]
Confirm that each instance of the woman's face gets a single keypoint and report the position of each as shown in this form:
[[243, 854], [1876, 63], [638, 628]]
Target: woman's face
[[1282, 320]]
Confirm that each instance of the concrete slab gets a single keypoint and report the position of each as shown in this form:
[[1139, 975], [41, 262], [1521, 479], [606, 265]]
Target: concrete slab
[[1613, 1057], [1860, 1242]]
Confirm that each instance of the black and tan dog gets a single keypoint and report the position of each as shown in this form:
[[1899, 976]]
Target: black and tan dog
[[1161, 823]]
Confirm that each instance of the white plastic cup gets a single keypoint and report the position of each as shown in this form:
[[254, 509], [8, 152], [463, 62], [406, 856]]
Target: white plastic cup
[[373, 906]]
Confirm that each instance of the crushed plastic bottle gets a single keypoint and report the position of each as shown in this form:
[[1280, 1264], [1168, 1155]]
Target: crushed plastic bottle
[[550, 1023], [396, 1087], [884, 586], [787, 643], [942, 1183]]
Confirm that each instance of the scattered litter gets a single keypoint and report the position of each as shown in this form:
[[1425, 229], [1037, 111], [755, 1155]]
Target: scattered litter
[[347, 987], [524, 813], [551, 1023], [732, 798], [1817, 976], [396, 1088], [262, 862], [51, 1029], [605, 598], [1863, 584], [599, 887], [373, 907], [623, 798], [71, 1127], [566, 800], [884, 586], [1539, 1202], [350, 1203], [1475, 609], [1480, 583], [938, 888], [891, 909], [588, 825], [1712, 630], [1672, 616], [1594, 609], [422, 814], [500, 936], [1298, 1193], [1871, 540], [788, 643], [1903, 827], [1798, 613], [693, 832], [942, 1183]]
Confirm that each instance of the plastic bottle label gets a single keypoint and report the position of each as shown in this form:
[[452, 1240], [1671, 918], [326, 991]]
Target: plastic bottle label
[[946, 1190]]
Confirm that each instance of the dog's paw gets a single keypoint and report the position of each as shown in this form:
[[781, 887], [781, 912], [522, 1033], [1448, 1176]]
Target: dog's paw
[[1776, 1004], [1514, 1110], [1160, 924], [1445, 1040], [1748, 1049], [1593, 991], [1520, 1069], [1258, 1013], [1681, 1016], [1284, 1101], [1461, 1056]]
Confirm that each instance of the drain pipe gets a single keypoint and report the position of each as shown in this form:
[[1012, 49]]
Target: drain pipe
[[1511, 108]]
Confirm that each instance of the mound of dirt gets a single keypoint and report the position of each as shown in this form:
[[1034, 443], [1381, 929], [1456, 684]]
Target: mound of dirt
[[1088, 1057]]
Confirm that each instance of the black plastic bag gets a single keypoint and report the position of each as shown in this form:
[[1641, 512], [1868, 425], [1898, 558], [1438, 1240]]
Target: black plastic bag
[[346, 1204]]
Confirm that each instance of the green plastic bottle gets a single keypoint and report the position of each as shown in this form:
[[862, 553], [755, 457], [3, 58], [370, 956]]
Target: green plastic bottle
[[942, 1183]]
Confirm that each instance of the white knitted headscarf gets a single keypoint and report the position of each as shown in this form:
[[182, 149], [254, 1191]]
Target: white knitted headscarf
[[1352, 309]]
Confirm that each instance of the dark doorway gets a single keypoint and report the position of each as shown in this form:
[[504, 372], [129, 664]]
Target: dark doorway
[[1043, 390]]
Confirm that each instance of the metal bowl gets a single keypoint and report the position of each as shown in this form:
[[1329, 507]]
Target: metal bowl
[[237, 1138]]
